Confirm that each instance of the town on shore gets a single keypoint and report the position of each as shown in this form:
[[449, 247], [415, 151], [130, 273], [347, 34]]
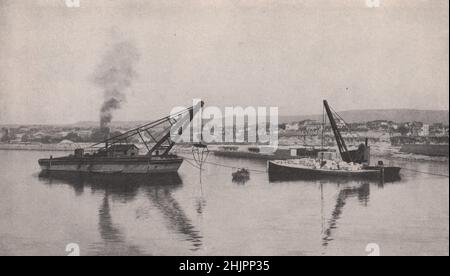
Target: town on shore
[[304, 132]]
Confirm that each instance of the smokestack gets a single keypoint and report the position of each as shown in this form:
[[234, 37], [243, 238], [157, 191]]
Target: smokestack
[[106, 134]]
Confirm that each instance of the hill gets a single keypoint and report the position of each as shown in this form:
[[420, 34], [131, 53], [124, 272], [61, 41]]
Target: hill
[[350, 116], [396, 115]]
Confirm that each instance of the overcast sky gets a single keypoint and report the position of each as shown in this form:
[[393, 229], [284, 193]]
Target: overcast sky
[[290, 54]]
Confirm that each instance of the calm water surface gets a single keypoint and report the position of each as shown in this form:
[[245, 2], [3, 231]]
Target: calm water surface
[[189, 214]]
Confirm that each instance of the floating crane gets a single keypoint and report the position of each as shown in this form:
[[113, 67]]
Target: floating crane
[[354, 164], [117, 155]]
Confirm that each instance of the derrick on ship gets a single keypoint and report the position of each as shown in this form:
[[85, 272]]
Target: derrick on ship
[[351, 164]]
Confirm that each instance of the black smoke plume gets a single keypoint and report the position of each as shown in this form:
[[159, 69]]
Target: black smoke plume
[[114, 76]]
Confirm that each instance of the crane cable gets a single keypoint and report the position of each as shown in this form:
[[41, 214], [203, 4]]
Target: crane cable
[[429, 173]]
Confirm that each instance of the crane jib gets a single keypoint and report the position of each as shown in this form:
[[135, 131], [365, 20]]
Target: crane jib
[[346, 156]]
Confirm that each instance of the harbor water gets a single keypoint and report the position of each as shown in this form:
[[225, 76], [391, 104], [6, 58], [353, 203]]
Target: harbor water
[[207, 213]]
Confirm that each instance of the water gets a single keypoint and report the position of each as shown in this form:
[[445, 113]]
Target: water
[[189, 214]]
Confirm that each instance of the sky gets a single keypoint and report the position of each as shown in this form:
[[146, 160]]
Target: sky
[[288, 54]]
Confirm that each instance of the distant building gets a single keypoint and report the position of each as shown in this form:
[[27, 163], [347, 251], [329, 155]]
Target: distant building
[[38, 135], [293, 126], [122, 150], [381, 125], [84, 134], [438, 130], [61, 134], [425, 131], [416, 128], [308, 122]]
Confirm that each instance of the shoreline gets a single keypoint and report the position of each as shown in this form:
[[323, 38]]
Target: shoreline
[[71, 147], [42, 147]]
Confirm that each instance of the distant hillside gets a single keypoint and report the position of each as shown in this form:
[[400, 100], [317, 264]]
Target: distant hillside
[[350, 116], [396, 115]]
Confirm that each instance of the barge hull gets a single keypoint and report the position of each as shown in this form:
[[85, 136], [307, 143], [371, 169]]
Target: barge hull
[[277, 171], [110, 165], [313, 173]]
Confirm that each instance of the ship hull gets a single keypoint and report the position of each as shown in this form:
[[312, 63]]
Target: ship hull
[[137, 165], [278, 171]]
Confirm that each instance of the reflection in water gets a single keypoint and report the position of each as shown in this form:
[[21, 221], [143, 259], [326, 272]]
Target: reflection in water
[[200, 201], [271, 218], [240, 181], [362, 192], [108, 231], [173, 212], [114, 242], [348, 188], [157, 188]]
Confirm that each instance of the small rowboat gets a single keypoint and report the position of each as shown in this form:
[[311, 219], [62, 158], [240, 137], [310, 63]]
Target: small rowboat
[[241, 176]]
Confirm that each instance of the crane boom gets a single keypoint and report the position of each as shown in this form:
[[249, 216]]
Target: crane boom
[[161, 141], [345, 154]]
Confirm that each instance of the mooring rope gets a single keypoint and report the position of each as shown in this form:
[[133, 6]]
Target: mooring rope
[[422, 172], [417, 171], [225, 166], [265, 171], [192, 164]]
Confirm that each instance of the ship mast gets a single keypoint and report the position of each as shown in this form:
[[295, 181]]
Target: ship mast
[[337, 135]]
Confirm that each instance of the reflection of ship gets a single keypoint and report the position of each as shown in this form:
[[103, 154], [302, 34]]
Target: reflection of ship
[[362, 192], [158, 189], [173, 212], [113, 238], [353, 163], [117, 155]]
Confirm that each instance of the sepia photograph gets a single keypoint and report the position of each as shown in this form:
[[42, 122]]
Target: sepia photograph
[[224, 128]]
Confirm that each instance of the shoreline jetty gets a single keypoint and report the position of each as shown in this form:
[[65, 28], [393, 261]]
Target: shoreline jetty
[[41, 147], [392, 153]]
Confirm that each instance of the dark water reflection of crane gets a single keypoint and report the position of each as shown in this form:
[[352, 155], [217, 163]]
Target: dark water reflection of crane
[[114, 241], [362, 192], [174, 214], [158, 190]]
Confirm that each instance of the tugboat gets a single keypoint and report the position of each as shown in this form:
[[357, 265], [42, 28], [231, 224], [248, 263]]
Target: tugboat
[[353, 163], [116, 155]]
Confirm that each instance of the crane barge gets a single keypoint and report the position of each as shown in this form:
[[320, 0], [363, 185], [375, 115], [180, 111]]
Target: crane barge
[[352, 163], [117, 155]]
